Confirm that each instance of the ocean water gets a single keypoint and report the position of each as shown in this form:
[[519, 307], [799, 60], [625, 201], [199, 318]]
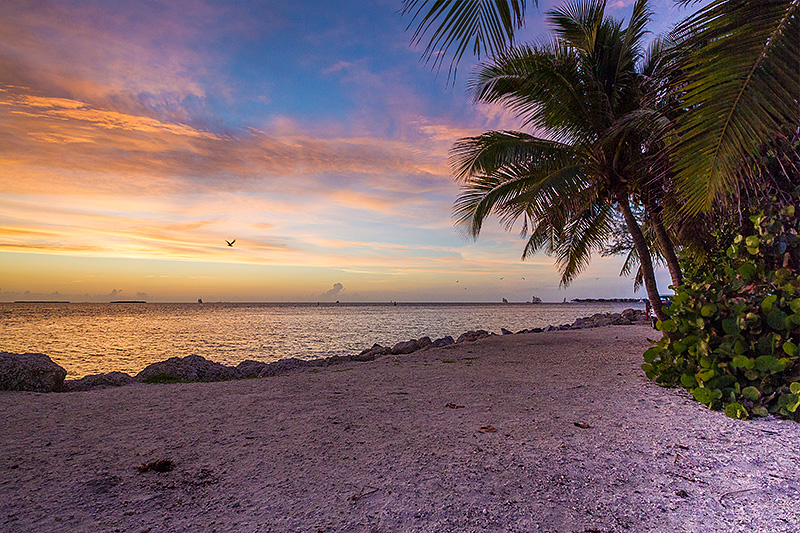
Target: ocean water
[[88, 338]]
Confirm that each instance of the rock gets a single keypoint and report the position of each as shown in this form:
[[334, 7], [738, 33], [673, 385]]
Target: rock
[[258, 369], [536, 330], [375, 346], [249, 369], [505, 331], [601, 321], [99, 381], [551, 328], [363, 357], [30, 372], [371, 353], [189, 368], [424, 342], [444, 341], [285, 365], [471, 336], [402, 348], [579, 323]]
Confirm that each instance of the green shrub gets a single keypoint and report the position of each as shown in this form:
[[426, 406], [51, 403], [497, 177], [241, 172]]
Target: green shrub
[[734, 325]]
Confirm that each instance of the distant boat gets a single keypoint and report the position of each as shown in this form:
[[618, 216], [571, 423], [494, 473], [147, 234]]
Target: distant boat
[[536, 300], [505, 301], [199, 300]]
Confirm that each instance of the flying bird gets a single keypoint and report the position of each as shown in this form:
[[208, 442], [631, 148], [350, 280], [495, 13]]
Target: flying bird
[[523, 278], [230, 243], [503, 277]]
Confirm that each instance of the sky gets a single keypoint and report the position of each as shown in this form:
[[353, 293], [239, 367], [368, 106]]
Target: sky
[[137, 137]]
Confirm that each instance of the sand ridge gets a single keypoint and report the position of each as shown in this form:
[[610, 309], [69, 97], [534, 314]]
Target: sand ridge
[[582, 442]]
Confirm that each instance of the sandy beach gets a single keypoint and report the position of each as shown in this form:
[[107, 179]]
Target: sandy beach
[[557, 431]]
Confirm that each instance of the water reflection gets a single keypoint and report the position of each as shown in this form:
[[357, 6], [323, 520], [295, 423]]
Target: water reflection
[[93, 338]]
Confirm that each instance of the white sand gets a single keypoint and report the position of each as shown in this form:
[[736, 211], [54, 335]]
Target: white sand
[[372, 447]]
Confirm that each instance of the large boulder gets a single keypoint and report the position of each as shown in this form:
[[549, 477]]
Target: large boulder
[[98, 381], [371, 353], [189, 368], [470, 336], [30, 372], [259, 369], [444, 341], [402, 348]]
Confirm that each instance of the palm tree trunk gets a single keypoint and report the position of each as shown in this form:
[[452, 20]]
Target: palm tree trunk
[[655, 217], [668, 250], [645, 262]]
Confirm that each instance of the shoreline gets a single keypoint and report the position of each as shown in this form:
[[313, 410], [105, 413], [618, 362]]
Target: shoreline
[[559, 431], [196, 368], [111, 337]]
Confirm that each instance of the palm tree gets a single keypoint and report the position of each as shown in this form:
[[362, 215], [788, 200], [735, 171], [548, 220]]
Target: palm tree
[[487, 25], [741, 92], [580, 91]]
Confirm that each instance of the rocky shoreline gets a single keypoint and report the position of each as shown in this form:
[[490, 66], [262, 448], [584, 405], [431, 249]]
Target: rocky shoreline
[[38, 373]]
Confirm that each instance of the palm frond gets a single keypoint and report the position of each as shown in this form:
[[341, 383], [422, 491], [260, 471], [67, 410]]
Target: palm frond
[[742, 85], [511, 192], [490, 151], [488, 26], [543, 85], [577, 23]]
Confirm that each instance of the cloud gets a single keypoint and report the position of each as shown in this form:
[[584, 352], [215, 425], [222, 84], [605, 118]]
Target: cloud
[[70, 144], [337, 288]]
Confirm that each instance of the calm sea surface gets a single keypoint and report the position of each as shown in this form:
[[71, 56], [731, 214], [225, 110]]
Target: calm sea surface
[[94, 338]]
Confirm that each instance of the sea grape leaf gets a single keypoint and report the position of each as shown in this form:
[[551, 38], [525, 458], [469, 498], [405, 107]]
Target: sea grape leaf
[[747, 270], [790, 348], [751, 393], [790, 401], [766, 304], [736, 410], [776, 318], [651, 353], [702, 395], [668, 326], [730, 326], [688, 381], [705, 375], [768, 363], [741, 361]]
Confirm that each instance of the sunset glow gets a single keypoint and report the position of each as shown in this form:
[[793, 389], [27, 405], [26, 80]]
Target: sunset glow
[[135, 139]]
